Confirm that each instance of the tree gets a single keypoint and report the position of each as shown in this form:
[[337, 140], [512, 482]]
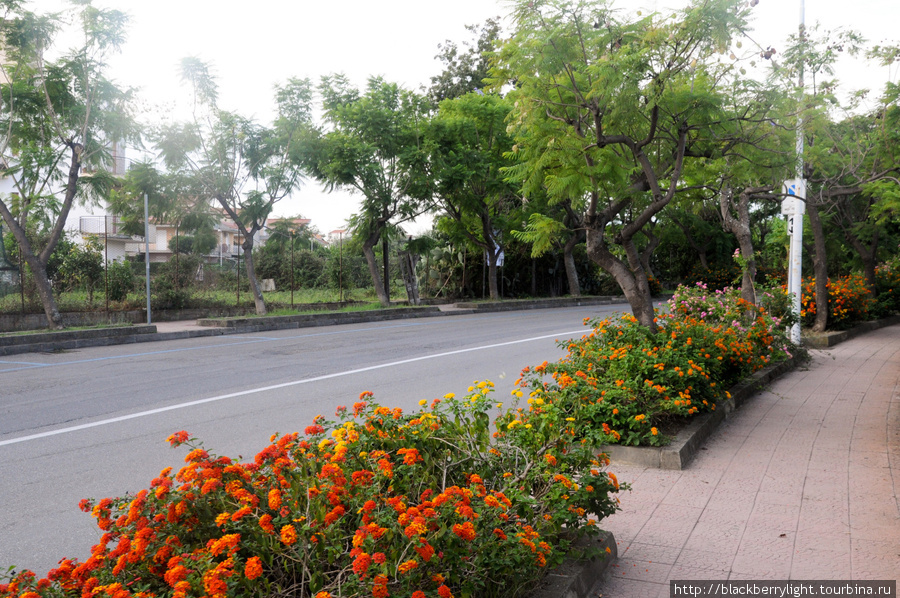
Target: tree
[[466, 69], [610, 109], [467, 145], [244, 167], [373, 146], [60, 116]]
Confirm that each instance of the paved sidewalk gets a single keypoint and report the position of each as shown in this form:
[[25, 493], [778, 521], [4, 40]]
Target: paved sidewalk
[[802, 482], [177, 326]]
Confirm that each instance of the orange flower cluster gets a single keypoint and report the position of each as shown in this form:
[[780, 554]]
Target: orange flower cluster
[[372, 493], [849, 301]]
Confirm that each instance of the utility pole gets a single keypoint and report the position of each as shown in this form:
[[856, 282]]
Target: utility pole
[[147, 253], [794, 206]]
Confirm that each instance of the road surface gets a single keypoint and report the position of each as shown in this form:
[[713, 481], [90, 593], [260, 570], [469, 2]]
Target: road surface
[[93, 423]]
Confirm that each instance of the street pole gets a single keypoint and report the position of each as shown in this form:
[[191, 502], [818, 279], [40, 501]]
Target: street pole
[[147, 253], [341, 267], [793, 207], [177, 285], [795, 278], [106, 258], [292, 269]]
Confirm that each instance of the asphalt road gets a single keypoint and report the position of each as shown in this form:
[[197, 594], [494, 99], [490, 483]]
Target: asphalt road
[[94, 422]]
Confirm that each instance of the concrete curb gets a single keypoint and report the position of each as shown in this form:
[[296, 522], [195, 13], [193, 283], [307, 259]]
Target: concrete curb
[[578, 574], [823, 340]]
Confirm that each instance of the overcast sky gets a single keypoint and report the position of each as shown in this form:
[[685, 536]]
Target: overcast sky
[[256, 44]]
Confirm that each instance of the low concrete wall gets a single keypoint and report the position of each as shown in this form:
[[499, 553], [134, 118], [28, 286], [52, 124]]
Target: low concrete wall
[[17, 323], [63, 340]]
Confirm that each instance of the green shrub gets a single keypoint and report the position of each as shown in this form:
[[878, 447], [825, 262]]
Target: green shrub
[[121, 280], [82, 267]]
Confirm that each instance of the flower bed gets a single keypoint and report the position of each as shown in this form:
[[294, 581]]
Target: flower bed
[[376, 503], [849, 301], [622, 383]]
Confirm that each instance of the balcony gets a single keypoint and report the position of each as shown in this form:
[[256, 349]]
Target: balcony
[[108, 226]]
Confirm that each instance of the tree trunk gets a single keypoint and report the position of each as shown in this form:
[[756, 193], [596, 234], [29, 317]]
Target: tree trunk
[[647, 253], [866, 254], [569, 262], [385, 257], [493, 287], [492, 249], [748, 289], [820, 267], [251, 277], [533, 277], [699, 248], [740, 227], [632, 281], [45, 292], [369, 252]]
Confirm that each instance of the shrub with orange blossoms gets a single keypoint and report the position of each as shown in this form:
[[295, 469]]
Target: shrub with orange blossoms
[[359, 508], [849, 301], [623, 384]]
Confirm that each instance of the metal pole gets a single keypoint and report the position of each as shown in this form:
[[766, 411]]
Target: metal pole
[[22, 280], [177, 284], [795, 277], [341, 267], [106, 258], [147, 253], [292, 269]]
